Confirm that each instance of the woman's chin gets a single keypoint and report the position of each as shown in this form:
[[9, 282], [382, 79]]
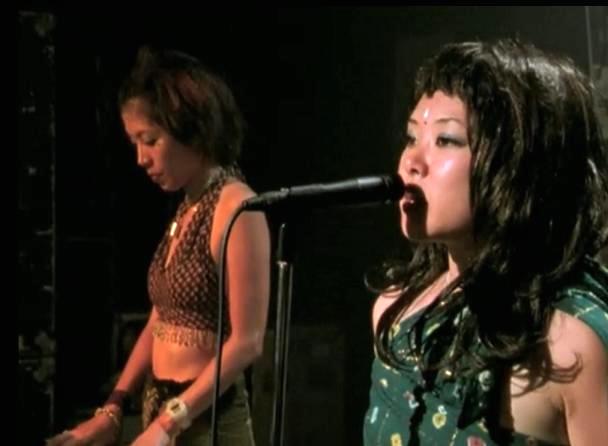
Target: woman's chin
[[167, 186], [415, 235], [414, 231]]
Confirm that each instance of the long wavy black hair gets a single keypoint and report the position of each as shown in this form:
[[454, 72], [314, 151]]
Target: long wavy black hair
[[539, 194], [186, 99]]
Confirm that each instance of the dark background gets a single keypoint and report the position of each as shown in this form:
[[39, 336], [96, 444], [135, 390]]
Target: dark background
[[323, 91]]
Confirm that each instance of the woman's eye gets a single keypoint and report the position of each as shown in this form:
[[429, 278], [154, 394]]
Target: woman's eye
[[443, 141]]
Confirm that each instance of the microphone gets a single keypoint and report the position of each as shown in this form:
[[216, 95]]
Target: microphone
[[383, 188]]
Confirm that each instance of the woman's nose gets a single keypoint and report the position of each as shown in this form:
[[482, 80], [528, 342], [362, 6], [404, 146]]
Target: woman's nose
[[142, 159], [412, 164]]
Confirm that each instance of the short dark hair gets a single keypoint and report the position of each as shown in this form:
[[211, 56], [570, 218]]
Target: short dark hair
[[194, 105]]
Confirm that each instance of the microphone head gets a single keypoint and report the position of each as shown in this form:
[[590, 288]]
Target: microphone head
[[395, 186], [356, 191]]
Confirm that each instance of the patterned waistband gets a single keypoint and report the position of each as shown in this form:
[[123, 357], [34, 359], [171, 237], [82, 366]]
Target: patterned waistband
[[189, 337]]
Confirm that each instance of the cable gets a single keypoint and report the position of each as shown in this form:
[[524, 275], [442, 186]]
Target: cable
[[220, 323]]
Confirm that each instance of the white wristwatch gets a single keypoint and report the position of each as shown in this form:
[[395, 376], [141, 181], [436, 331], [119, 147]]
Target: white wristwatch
[[178, 411]]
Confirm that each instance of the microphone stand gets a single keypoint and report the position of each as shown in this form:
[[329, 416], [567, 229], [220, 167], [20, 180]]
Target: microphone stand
[[283, 316]]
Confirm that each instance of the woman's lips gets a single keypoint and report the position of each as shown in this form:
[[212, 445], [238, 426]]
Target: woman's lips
[[412, 197]]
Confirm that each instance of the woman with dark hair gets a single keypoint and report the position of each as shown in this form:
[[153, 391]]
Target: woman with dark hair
[[187, 131], [496, 330]]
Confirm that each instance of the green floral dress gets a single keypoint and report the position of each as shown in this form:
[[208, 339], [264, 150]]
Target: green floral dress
[[406, 409]]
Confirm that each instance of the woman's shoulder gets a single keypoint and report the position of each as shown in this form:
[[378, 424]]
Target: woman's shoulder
[[584, 301], [570, 336], [233, 193]]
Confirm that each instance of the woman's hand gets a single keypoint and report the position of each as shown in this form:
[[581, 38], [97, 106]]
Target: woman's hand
[[98, 430], [154, 435]]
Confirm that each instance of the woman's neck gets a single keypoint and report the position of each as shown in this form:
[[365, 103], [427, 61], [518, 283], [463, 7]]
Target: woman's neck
[[199, 185], [459, 259]]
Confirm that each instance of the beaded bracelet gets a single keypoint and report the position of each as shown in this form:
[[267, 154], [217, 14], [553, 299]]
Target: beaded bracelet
[[110, 414], [117, 397]]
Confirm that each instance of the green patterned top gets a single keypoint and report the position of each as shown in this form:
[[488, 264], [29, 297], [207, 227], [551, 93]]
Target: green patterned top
[[461, 411]]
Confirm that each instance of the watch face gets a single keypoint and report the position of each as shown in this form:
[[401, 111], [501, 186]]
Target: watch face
[[178, 410]]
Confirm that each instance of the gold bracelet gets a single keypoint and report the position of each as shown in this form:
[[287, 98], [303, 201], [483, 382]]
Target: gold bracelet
[[110, 414]]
